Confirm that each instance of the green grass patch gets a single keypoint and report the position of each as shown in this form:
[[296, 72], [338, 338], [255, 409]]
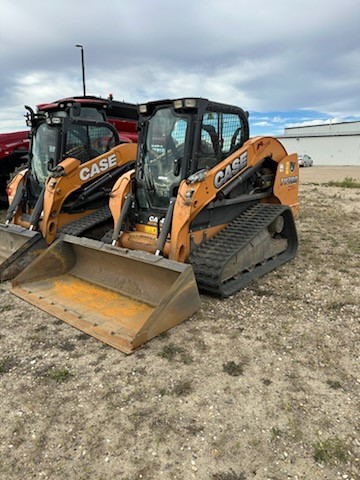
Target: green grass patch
[[331, 450], [348, 182], [338, 306], [171, 351], [6, 364], [182, 388], [353, 244], [179, 389], [60, 375], [335, 384], [230, 475], [233, 369], [6, 307], [275, 433]]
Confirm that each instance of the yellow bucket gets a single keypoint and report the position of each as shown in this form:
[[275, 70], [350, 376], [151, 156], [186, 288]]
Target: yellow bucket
[[122, 297]]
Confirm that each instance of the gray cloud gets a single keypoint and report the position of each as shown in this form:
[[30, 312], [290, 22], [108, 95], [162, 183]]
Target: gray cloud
[[267, 56]]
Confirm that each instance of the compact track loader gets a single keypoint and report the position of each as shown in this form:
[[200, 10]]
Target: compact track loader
[[75, 158], [206, 207]]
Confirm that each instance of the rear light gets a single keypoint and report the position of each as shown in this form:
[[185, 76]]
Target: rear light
[[8, 192]]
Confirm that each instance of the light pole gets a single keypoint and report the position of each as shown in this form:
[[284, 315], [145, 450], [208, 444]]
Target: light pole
[[82, 66]]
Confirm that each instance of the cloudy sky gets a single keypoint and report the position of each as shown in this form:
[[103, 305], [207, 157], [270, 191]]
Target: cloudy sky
[[287, 62]]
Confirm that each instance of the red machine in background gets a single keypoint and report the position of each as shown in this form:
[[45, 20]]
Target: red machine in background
[[14, 146], [13, 153]]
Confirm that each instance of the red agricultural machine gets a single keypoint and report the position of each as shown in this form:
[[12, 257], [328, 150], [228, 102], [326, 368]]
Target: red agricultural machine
[[14, 146]]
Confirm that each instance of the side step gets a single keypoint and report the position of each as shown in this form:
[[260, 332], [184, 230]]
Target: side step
[[124, 298]]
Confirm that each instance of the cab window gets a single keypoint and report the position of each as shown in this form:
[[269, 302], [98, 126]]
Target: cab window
[[85, 142], [221, 134]]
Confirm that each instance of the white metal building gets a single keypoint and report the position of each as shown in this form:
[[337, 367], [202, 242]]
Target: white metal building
[[330, 144]]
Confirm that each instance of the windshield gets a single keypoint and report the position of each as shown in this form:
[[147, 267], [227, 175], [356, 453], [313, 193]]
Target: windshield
[[44, 150], [162, 153]]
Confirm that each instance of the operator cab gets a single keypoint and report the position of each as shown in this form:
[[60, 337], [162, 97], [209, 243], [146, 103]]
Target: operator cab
[[66, 129], [179, 138]]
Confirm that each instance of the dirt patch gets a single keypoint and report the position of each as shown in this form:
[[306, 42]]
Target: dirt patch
[[324, 174], [264, 385]]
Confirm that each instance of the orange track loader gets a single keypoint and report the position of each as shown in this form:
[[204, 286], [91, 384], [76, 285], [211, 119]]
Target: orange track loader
[[206, 207], [75, 158]]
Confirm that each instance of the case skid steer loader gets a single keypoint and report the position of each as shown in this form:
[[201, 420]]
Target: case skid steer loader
[[75, 158], [206, 207]]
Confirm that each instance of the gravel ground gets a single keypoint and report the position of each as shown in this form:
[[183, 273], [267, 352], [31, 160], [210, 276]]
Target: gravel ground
[[264, 385]]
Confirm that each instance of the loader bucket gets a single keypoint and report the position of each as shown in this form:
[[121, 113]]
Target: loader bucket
[[122, 297], [18, 247]]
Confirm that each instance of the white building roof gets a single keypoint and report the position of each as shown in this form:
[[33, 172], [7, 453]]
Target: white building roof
[[324, 130]]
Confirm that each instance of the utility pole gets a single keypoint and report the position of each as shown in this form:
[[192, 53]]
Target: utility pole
[[82, 67]]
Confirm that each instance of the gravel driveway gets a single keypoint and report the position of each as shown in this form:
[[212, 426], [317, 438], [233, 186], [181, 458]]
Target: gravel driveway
[[264, 385]]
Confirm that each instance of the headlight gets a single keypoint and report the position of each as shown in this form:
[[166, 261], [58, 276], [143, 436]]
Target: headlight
[[187, 103], [190, 102], [53, 120], [178, 104]]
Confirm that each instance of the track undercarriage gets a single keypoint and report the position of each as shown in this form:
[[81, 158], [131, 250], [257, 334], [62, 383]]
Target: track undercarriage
[[256, 242]]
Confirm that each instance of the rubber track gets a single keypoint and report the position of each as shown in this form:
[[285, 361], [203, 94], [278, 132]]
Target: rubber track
[[80, 226], [210, 258]]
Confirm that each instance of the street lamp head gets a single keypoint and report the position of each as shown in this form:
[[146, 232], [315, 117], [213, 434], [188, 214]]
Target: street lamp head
[[79, 46]]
